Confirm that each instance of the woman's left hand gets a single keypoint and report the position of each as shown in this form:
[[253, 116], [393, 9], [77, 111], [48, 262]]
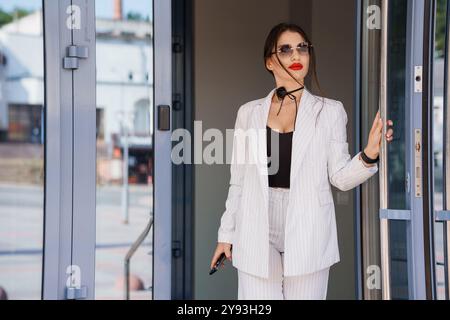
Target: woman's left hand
[[374, 144]]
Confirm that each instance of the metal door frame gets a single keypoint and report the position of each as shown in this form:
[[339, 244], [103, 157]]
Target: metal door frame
[[70, 151], [162, 191], [182, 180], [417, 276], [414, 101], [446, 237], [442, 216]]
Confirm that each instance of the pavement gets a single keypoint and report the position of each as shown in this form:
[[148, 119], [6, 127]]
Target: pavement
[[21, 244]]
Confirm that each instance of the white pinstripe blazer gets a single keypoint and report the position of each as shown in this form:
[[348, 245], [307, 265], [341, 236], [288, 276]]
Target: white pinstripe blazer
[[319, 157]]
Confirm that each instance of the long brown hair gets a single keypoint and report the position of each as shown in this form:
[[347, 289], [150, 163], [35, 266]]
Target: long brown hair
[[272, 43]]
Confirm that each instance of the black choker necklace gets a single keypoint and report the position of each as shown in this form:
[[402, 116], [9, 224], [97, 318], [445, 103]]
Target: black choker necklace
[[283, 93]]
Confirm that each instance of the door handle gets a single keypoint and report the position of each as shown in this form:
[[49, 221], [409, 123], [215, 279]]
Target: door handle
[[164, 118]]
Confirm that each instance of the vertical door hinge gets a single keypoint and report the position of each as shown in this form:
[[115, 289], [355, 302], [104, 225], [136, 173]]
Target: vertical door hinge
[[73, 293], [74, 289], [176, 249], [74, 53]]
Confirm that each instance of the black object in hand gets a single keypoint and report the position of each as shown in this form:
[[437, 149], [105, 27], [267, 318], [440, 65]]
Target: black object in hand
[[218, 263]]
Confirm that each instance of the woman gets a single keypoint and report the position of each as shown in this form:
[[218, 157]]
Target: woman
[[279, 229]]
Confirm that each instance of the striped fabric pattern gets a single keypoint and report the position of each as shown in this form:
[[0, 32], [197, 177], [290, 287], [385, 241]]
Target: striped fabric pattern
[[305, 287], [277, 287]]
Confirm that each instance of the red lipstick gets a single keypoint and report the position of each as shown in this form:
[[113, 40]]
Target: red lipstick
[[296, 66]]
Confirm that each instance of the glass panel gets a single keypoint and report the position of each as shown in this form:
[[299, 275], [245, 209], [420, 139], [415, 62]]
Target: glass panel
[[21, 149], [396, 149], [124, 146], [438, 141]]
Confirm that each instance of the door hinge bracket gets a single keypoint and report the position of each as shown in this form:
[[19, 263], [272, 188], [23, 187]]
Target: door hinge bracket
[[74, 53], [442, 216], [389, 214], [176, 249], [73, 293]]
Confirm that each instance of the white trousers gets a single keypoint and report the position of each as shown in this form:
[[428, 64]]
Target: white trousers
[[305, 287]]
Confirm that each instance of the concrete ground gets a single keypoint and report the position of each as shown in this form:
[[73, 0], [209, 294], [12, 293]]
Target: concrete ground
[[21, 234]]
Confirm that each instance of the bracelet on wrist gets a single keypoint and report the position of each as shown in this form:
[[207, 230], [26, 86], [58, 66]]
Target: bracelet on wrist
[[368, 160]]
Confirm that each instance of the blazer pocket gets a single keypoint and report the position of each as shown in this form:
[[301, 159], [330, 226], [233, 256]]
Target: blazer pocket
[[325, 196]]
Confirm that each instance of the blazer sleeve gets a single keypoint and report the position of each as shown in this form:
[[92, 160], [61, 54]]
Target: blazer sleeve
[[345, 173], [237, 169]]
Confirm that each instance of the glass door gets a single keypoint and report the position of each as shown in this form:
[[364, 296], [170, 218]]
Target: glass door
[[133, 254], [22, 149], [125, 130], [70, 150], [394, 231], [85, 138], [439, 149], [45, 129], [402, 226], [394, 242]]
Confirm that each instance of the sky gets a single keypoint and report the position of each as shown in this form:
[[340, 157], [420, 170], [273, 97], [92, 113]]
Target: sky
[[103, 8]]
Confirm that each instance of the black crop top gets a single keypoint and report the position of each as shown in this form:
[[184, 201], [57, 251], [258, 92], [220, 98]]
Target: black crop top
[[282, 178]]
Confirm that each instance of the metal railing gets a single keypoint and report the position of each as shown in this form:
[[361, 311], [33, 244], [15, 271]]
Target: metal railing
[[130, 254], [384, 222]]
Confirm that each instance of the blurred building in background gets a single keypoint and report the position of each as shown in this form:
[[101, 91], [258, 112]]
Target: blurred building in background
[[123, 105]]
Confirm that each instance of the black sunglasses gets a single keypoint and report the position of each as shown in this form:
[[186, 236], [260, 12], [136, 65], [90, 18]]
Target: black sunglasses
[[287, 51]]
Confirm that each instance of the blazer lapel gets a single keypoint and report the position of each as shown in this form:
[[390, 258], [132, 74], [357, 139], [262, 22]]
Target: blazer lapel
[[304, 131]]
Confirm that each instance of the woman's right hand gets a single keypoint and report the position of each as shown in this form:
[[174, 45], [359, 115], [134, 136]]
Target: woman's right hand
[[221, 248]]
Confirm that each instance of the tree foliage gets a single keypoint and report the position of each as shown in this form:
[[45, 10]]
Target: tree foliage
[[7, 17]]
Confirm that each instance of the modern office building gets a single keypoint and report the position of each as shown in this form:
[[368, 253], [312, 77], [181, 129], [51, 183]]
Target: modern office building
[[93, 95]]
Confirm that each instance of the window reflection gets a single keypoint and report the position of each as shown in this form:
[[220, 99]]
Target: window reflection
[[124, 146], [438, 141], [21, 149], [396, 150]]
